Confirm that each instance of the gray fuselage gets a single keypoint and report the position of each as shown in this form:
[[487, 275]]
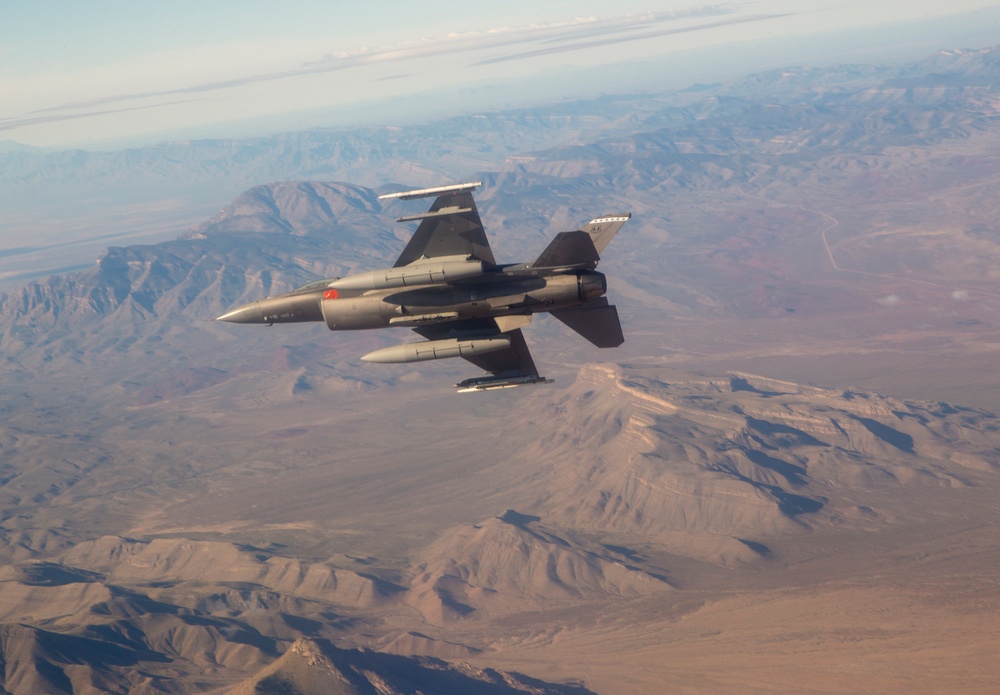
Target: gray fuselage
[[491, 296]]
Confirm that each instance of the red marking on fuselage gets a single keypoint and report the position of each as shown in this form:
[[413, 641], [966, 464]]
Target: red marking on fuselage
[[331, 294]]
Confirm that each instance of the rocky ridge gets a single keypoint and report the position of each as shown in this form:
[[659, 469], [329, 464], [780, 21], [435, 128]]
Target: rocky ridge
[[646, 469]]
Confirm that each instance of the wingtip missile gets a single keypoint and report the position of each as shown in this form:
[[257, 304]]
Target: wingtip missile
[[428, 192]]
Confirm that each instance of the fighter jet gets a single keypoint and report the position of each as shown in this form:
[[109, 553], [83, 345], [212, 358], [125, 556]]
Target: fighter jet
[[448, 288]]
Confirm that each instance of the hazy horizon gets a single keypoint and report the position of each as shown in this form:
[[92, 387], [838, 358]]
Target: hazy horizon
[[109, 78]]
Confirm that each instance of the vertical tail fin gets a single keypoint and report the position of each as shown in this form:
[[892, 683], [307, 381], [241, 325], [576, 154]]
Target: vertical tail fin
[[583, 247], [603, 229], [568, 249]]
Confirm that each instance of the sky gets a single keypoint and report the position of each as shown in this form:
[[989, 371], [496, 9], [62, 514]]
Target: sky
[[75, 74]]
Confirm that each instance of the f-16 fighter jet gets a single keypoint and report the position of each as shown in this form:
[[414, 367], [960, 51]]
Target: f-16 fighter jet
[[448, 288]]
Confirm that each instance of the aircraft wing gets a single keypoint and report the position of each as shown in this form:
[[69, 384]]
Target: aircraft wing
[[450, 228], [514, 361]]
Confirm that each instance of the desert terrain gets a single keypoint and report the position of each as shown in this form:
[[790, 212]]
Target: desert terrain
[[785, 481]]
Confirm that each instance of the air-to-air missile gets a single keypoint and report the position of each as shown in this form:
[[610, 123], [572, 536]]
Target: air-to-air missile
[[448, 288]]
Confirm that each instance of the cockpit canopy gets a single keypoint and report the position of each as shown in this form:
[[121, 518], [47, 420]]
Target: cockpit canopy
[[316, 285]]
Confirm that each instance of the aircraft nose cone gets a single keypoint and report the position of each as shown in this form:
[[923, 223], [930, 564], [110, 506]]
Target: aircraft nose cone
[[248, 313]]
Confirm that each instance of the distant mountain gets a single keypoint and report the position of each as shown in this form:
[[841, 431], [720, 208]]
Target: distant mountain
[[956, 68], [419, 154], [12, 146], [777, 123], [271, 239], [453, 146]]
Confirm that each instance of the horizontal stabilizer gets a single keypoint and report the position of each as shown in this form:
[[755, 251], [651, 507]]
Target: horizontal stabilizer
[[597, 321], [574, 249]]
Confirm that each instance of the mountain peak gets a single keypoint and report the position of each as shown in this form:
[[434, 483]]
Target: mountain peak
[[318, 667], [296, 208]]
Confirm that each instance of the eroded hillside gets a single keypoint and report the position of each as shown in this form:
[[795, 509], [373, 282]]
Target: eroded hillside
[[624, 492]]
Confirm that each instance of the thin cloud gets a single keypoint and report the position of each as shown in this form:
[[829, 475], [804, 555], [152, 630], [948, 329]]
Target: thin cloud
[[607, 41], [562, 36], [12, 123]]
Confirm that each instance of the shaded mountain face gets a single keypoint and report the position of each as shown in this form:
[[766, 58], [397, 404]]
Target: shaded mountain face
[[310, 220], [316, 666], [185, 505]]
